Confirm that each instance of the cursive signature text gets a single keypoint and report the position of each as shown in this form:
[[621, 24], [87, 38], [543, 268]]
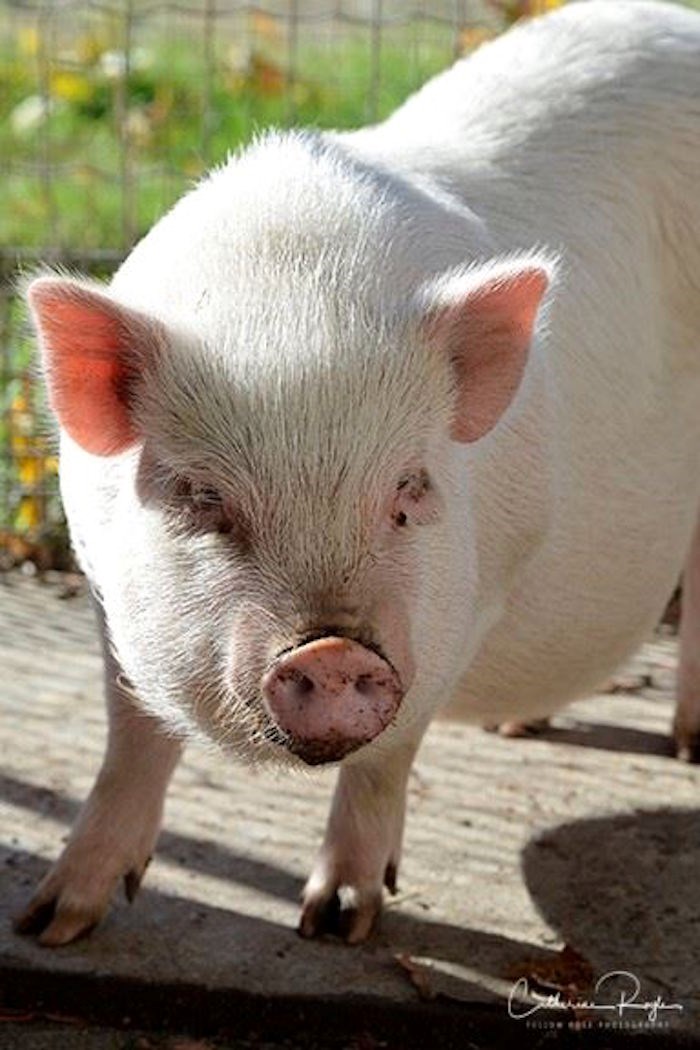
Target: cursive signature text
[[628, 998]]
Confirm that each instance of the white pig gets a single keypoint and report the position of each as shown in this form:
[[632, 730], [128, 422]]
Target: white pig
[[376, 422]]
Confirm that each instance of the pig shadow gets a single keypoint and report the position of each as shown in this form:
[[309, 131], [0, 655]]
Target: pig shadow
[[620, 890], [624, 891], [186, 963], [605, 737], [196, 854]]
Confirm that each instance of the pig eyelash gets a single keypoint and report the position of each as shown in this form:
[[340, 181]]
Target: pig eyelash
[[195, 496], [416, 484], [204, 496], [202, 508]]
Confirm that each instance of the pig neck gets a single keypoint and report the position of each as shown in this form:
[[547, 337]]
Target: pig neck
[[511, 490]]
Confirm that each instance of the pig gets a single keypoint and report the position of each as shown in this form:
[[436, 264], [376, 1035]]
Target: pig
[[380, 422]]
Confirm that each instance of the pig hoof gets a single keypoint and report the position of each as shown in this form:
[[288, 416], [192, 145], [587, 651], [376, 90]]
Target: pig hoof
[[133, 880], [686, 733], [390, 874], [688, 748], [56, 921], [71, 901], [349, 913], [518, 729], [358, 919], [320, 916]]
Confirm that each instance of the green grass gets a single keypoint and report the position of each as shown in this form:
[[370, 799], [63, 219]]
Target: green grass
[[168, 143], [79, 178]]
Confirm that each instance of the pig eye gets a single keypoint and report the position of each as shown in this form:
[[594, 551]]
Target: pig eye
[[212, 512], [201, 508], [204, 497], [415, 502]]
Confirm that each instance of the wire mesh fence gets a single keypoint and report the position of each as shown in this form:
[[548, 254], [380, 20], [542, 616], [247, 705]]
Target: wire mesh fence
[[110, 108]]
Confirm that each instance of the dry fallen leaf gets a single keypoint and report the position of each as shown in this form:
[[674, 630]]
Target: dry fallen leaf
[[418, 975], [567, 972], [189, 1044]]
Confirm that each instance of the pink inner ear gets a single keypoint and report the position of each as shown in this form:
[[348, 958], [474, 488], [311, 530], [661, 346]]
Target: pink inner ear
[[88, 342], [487, 332]]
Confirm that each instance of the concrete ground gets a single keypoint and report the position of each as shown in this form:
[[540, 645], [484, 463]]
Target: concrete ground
[[555, 859]]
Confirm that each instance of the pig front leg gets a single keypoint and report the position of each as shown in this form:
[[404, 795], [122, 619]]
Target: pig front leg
[[116, 830], [361, 848], [686, 725]]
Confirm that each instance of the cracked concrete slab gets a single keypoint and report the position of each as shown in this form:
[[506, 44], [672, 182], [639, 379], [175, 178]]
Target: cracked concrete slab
[[586, 836]]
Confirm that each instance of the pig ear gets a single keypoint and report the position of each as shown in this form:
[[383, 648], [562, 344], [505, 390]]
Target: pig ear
[[93, 350], [484, 321]]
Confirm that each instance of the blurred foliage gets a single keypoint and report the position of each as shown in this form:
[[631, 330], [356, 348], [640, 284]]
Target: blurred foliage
[[103, 122], [100, 127], [31, 522], [99, 132]]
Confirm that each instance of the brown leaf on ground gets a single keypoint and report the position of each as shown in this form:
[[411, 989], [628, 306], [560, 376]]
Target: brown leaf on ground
[[568, 972], [59, 1018], [418, 975], [180, 1043], [17, 548], [16, 1016], [190, 1044], [48, 551]]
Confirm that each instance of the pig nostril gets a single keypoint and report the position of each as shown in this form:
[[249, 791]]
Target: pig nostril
[[305, 684], [300, 685], [364, 685]]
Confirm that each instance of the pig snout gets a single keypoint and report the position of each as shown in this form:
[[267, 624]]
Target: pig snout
[[331, 696]]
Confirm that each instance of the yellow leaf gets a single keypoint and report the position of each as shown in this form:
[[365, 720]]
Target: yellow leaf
[[70, 86], [28, 515], [541, 7], [21, 425], [473, 37], [28, 39], [514, 10], [265, 25], [89, 48], [30, 471]]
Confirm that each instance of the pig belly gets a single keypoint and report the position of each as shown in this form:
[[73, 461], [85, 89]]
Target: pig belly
[[592, 593], [555, 644]]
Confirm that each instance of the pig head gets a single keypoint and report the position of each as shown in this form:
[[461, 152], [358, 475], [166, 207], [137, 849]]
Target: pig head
[[270, 437]]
